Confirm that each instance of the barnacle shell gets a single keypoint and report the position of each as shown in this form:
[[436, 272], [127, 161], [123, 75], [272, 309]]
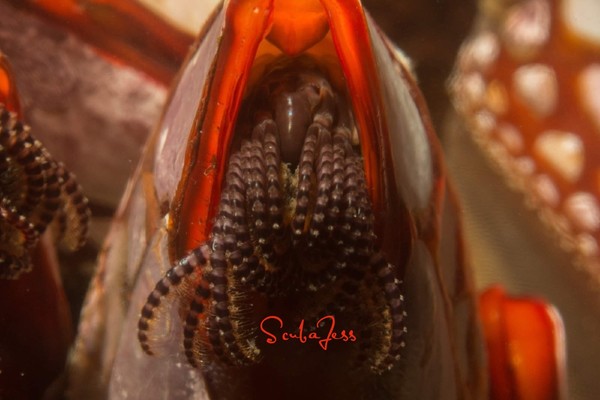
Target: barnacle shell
[[443, 341]]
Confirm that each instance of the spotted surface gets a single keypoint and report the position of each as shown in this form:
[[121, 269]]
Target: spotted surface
[[522, 83]]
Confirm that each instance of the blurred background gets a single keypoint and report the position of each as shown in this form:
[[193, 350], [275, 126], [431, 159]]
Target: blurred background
[[506, 240]]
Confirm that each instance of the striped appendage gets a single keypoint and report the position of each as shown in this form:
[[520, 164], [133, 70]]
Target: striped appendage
[[36, 192], [279, 233]]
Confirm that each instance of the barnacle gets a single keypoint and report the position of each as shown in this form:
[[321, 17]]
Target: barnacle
[[294, 226], [526, 86], [37, 192]]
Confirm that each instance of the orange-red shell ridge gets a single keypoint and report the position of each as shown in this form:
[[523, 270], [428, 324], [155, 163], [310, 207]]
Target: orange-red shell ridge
[[526, 348]]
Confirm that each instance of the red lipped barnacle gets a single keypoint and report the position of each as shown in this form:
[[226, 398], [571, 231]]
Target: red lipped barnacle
[[239, 216]]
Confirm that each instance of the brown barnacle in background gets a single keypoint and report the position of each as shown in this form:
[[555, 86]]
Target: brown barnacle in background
[[36, 193], [526, 84], [526, 90]]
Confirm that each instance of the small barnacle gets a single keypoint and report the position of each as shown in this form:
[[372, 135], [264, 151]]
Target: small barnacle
[[36, 192]]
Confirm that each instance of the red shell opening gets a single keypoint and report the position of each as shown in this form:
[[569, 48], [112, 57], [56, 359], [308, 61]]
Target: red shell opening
[[248, 22]]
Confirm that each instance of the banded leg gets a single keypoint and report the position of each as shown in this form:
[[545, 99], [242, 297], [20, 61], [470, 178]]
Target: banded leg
[[37, 189], [176, 276], [76, 212], [324, 171], [221, 333], [274, 196], [305, 176], [389, 286], [265, 137], [335, 205], [226, 301], [17, 144], [193, 344], [47, 210], [37, 195], [256, 195]]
